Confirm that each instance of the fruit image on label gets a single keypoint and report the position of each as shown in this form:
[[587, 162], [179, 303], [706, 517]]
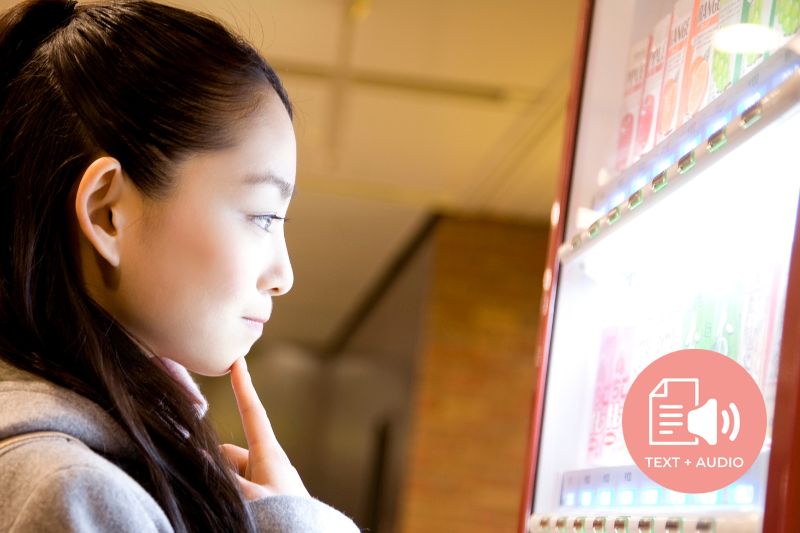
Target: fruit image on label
[[721, 70], [669, 104], [645, 122], [698, 84], [788, 14]]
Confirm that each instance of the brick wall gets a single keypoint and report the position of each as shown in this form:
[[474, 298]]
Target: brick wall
[[466, 452]]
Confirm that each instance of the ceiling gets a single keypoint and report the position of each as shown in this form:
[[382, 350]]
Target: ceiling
[[404, 108]]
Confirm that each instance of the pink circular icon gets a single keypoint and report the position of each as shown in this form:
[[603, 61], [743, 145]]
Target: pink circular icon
[[694, 421]]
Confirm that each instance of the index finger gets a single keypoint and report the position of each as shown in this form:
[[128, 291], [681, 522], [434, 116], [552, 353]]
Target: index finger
[[257, 427]]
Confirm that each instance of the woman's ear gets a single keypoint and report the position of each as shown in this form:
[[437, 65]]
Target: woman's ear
[[100, 207]]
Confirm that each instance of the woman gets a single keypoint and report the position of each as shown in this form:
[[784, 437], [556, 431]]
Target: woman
[[147, 160]]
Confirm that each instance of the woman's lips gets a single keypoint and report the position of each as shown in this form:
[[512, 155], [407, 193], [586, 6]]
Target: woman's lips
[[255, 323]]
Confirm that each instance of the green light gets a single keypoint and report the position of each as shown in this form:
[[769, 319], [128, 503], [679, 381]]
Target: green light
[[686, 163], [613, 215], [717, 140], [594, 229], [751, 115], [659, 182], [635, 199]]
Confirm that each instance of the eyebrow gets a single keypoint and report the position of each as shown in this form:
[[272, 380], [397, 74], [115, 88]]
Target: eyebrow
[[287, 189]]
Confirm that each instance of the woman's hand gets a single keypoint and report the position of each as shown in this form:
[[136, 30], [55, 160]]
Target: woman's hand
[[264, 470]]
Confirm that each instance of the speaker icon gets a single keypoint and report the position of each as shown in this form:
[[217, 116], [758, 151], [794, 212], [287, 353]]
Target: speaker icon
[[677, 418], [703, 421]]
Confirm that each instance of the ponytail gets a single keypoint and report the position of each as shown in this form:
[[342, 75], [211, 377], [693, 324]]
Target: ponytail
[[23, 29]]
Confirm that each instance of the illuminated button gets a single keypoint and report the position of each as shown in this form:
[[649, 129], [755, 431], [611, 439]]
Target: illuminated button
[[578, 525], [743, 494], [674, 525], [621, 525], [613, 215], [751, 115], [717, 140], [659, 182], [635, 199], [625, 497], [649, 497], [646, 525], [705, 525], [594, 229], [599, 525], [686, 163]]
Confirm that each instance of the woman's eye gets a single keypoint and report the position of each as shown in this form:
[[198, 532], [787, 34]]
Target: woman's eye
[[265, 221]]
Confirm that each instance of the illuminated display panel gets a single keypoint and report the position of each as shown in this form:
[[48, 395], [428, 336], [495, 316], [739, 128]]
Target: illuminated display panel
[[704, 266]]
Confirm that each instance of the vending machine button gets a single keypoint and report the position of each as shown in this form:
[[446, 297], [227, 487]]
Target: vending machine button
[[706, 525], [594, 229], [599, 525], [561, 525], [717, 140], [621, 525], [751, 115], [674, 525], [579, 525], [645, 525], [613, 215], [686, 163], [635, 199], [575, 242], [659, 182]]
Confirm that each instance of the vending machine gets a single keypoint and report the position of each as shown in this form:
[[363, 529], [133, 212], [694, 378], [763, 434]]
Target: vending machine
[[675, 227]]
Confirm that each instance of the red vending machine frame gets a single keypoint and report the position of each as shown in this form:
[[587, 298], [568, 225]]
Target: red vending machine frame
[[783, 483]]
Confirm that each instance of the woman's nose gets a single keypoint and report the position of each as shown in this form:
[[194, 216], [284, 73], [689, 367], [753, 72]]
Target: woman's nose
[[278, 278]]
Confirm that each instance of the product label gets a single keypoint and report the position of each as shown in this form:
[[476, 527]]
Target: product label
[[668, 117], [651, 94]]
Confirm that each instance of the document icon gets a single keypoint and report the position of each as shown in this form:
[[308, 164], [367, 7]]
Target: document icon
[[670, 403]]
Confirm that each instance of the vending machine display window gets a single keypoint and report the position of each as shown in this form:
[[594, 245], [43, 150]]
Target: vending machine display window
[[678, 231]]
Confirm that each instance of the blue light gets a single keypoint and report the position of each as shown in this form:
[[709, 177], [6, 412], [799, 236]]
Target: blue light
[[586, 498], [718, 124], [743, 494], [749, 101], [618, 198], [661, 166], [690, 144], [649, 497], [708, 498], [569, 499], [604, 497], [638, 183], [625, 497]]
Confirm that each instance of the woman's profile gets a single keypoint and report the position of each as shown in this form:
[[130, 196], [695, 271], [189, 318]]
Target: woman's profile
[[147, 162]]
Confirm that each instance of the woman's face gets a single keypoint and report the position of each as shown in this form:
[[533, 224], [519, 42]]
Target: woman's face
[[197, 270]]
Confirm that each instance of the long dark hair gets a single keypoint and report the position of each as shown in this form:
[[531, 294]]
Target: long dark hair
[[149, 85]]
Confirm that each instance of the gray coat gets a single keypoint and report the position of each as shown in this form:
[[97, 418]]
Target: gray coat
[[55, 472]]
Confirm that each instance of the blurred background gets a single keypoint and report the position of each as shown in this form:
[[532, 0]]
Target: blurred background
[[398, 373]]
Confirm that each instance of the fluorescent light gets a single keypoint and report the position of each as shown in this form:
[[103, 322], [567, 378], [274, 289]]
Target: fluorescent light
[[746, 39]]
